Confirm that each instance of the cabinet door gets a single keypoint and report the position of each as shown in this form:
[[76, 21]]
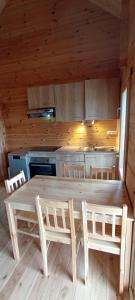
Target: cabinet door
[[69, 99], [99, 161], [60, 166], [40, 97], [101, 98], [67, 158]]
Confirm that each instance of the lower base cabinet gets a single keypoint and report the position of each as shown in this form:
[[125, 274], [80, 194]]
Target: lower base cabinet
[[101, 160], [98, 160], [68, 158]]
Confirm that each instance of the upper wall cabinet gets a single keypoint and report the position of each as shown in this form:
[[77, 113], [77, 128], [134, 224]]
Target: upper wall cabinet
[[69, 99], [40, 97], [101, 98]]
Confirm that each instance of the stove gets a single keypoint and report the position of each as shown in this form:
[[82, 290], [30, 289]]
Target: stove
[[46, 148]]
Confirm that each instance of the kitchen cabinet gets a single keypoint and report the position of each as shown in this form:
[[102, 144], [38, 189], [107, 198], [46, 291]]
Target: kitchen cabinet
[[69, 99], [41, 97], [101, 98], [90, 159], [100, 160], [67, 158]]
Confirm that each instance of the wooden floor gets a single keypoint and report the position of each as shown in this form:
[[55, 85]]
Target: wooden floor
[[24, 281]]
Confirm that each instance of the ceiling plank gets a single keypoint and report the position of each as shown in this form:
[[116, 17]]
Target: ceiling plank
[[2, 5], [124, 33], [41, 44], [111, 6]]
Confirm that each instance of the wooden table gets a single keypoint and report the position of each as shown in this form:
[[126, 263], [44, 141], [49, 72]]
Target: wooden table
[[94, 191]]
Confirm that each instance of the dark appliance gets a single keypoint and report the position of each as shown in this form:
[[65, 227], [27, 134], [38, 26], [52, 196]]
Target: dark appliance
[[45, 148], [42, 169], [45, 113]]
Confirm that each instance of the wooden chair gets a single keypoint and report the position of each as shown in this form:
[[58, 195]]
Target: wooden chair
[[30, 218], [57, 227], [15, 182], [74, 171], [104, 229], [102, 173]]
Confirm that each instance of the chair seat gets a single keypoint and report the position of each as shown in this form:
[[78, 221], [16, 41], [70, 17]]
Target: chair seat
[[58, 237], [109, 247]]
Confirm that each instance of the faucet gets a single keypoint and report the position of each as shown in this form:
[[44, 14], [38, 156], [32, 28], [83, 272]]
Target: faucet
[[92, 146]]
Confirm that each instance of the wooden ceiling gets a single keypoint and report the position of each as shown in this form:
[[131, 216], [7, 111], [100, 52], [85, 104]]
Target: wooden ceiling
[[111, 6], [2, 5], [55, 41]]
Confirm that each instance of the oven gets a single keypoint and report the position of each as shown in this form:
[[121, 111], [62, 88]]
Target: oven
[[42, 166], [42, 169]]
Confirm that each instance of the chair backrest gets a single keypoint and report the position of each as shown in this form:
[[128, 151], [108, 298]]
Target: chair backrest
[[15, 182], [106, 216], [103, 173], [74, 171], [58, 215]]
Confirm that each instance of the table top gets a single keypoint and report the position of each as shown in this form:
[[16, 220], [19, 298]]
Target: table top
[[107, 192]]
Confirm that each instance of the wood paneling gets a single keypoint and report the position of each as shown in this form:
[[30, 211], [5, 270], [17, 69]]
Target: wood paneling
[[130, 174], [111, 6], [2, 5], [124, 32], [22, 132], [3, 170], [129, 80], [57, 41]]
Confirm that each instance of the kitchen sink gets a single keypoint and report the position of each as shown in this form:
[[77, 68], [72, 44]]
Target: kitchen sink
[[96, 148], [104, 149], [91, 148]]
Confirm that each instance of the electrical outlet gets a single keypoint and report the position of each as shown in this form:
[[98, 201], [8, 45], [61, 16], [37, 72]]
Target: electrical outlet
[[112, 133]]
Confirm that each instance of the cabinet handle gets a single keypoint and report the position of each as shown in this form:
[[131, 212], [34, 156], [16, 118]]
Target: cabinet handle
[[92, 116], [91, 157]]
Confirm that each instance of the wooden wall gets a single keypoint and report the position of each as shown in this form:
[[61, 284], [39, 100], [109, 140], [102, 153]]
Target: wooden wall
[[22, 132], [3, 171], [52, 41], [129, 81]]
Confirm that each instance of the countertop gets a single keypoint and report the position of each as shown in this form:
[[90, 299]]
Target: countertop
[[80, 150], [62, 150]]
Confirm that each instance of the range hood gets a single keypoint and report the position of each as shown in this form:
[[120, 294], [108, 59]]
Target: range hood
[[47, 113]]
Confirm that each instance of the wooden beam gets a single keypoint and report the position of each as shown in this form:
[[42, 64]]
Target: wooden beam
[[111, 6]]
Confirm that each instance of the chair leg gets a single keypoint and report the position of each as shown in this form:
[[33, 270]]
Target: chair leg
[[86, 262], [121, 280], [74, 259], [44, 254]]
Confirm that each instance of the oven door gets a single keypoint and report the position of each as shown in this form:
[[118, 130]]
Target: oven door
[[42, 169]]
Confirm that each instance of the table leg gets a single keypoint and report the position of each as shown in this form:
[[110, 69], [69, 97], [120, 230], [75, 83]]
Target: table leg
[[13, 231], [128, 253]]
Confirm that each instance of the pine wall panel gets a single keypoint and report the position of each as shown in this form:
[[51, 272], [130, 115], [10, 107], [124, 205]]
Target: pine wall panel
[[129, 80], [53, 41], [22, 132], [3, 170]]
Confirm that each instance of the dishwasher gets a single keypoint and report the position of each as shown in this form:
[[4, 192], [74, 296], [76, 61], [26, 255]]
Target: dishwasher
[[18, 162]]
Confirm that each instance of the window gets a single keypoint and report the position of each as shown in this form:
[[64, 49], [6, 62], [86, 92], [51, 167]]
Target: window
[[123, 129]]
